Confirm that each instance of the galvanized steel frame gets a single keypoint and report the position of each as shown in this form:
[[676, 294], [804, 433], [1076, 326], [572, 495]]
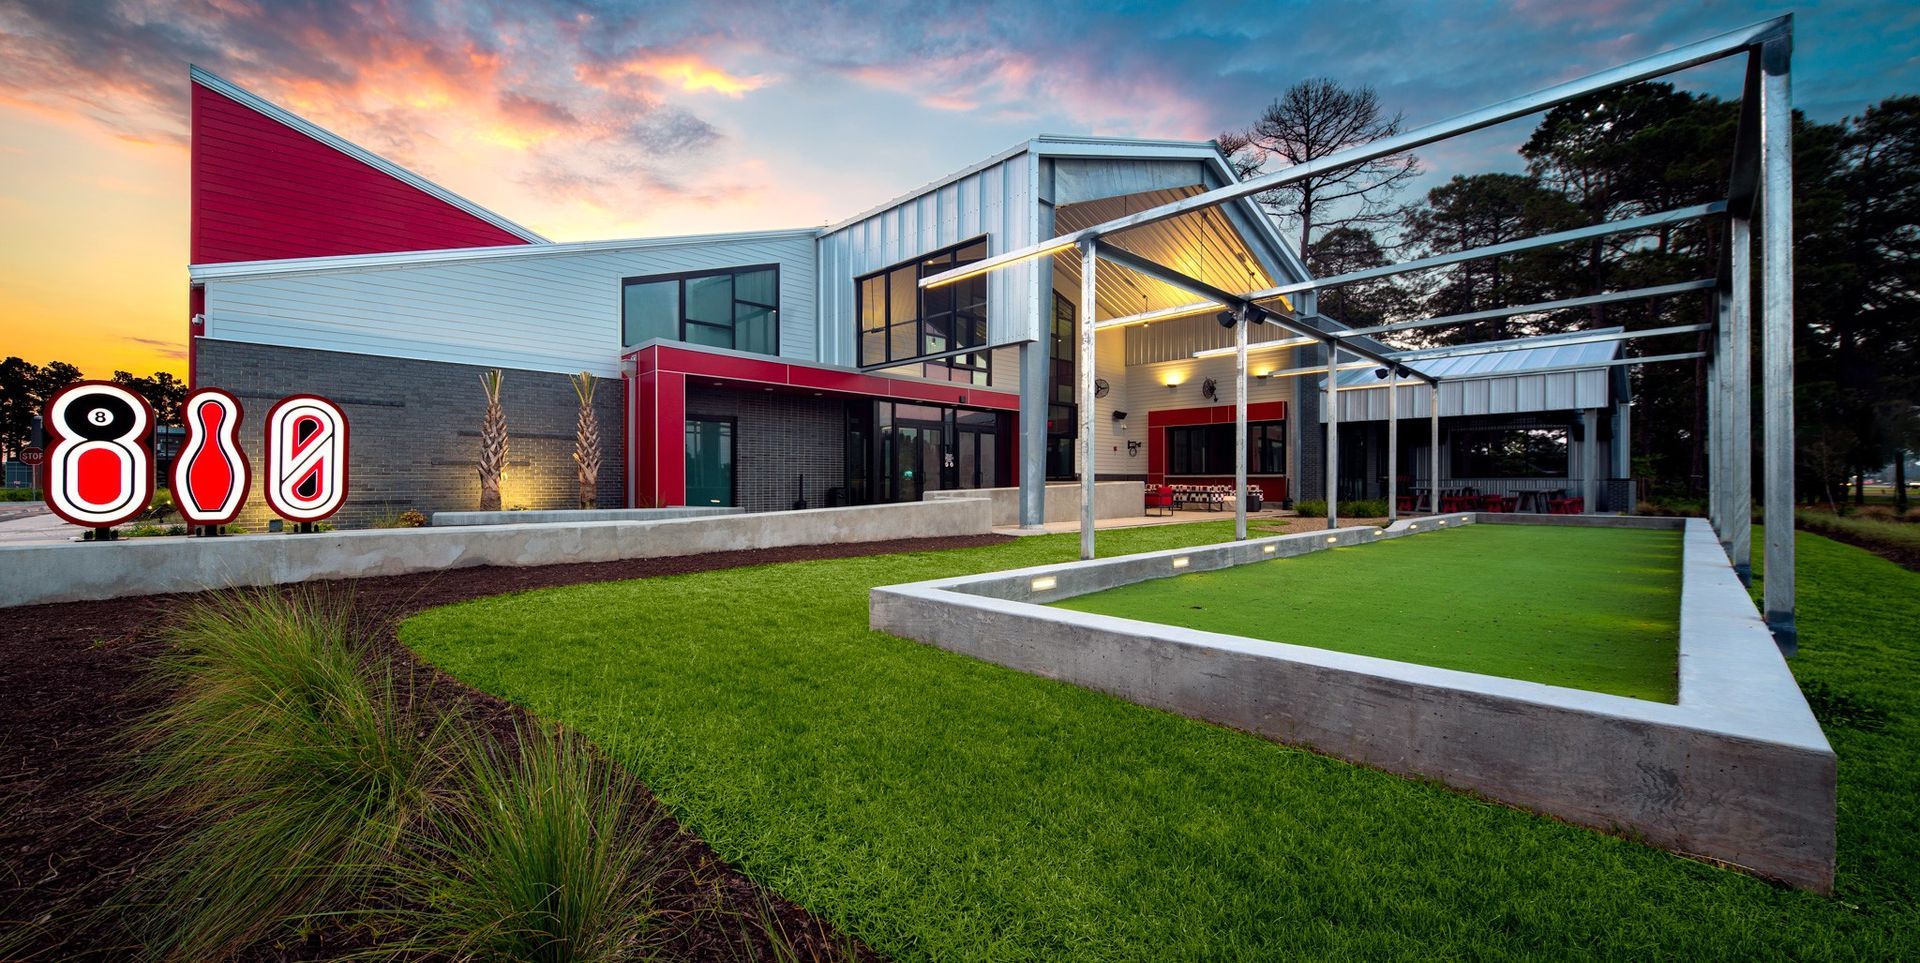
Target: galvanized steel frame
[[1761, 179]]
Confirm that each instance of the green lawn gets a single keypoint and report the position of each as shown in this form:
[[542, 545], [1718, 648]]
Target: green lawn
[[943, 808], [1590, 608]]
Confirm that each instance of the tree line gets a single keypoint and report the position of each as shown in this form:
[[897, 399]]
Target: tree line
[[1639, 150], [25, 388]]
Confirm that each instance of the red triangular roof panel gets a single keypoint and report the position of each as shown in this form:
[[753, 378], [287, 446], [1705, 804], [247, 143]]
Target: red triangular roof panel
[[266, 189]]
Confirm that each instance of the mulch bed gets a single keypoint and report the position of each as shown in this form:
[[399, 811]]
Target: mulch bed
[[68, 674]]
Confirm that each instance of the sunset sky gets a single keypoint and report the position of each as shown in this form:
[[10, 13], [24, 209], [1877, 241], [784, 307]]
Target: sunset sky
[[585, 120]]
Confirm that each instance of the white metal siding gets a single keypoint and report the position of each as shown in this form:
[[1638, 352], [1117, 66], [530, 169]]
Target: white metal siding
[[995, 201], [1511, 394], [554, 312]]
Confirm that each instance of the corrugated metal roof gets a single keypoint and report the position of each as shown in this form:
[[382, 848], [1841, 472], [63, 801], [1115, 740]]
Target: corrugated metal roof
[[1517, 361]]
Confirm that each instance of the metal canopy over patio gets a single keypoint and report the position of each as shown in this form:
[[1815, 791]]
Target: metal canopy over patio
[[1762, 171]]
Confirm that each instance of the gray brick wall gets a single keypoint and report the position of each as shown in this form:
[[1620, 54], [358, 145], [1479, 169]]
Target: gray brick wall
[[416, 428], [780, 439]]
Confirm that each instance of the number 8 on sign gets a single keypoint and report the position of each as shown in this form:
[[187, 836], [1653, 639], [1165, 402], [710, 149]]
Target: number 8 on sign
[[100, 466], [306, 458]]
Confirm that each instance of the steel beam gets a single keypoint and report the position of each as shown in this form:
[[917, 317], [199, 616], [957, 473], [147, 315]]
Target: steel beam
[[1590, 455], [1231, 301], [1089, 270], [1489, 375], [1543, 341], [1776, 293], [1538, 307], [1442, 260], [1645, 68]]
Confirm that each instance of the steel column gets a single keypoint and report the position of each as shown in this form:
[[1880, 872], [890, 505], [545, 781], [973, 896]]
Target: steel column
[[1776, 237], [1715, 428], [1332, 402], [1032, 423], [1590, 455], [1241, 321], [1433, 426], [1740, 403], [1089, 270], [1393, 446]]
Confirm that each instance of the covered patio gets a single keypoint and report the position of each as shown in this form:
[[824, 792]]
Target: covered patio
[[1538, 425]]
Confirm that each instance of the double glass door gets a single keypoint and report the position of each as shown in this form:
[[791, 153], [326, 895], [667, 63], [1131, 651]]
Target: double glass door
[[923, 448]]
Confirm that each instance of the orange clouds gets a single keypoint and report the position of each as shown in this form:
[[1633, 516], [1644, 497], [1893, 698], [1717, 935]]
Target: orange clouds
[[685, 71]]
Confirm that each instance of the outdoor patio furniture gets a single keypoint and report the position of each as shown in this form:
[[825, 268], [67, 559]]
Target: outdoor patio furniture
[[1406, 502], [1492, 503], [1160, 497], [1567, 506]]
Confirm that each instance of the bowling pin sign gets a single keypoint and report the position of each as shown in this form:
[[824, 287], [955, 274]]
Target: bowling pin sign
[[100, 461], [211, 474], [306, 458]]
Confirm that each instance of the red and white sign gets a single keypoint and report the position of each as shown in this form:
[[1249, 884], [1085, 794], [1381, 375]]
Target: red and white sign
[[100, 465], [306, 458], [211, 474], [33, 456]]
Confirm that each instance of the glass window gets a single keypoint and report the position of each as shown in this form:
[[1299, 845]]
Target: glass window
[[918, 322], [736, 308], [650, 310]]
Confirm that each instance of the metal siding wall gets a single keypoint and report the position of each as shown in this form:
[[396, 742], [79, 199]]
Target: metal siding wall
[[546, 313], [995, 201], [1514, 394]]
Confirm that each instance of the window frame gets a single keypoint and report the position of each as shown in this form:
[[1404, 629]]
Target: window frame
[[682, 277], [951, 314]]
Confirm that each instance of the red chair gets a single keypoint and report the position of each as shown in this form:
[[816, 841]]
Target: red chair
[[1160, 496], [1509, 504], [1406, 503], [1491, 503]]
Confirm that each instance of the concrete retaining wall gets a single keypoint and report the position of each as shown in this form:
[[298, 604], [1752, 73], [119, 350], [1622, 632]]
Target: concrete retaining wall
[[1738, 771], [74, 571], [1111, 499], [449, 519]]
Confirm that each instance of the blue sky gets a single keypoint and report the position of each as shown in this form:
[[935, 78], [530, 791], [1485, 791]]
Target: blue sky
[[589, 120]]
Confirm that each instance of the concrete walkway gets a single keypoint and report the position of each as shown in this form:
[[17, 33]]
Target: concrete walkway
[[34, 524], [1179, 517]]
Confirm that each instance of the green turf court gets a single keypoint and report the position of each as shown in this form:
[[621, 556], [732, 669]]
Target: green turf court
[[1587, 608]]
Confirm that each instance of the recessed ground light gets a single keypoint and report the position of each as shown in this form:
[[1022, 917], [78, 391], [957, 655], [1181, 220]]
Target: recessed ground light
[[1268, 548], [1180, 562], [1045, 583], [1332, 540], [1378, 532], [1443, 521]]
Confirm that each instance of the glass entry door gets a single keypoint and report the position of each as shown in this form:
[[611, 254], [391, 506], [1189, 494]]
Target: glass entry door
[[710, 461]]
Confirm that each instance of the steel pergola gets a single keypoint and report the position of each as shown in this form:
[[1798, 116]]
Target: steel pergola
[[1761, 185]]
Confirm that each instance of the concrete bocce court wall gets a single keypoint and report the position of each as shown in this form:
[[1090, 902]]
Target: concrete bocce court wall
[[1737, 772], [1111, 499], [76, 571]]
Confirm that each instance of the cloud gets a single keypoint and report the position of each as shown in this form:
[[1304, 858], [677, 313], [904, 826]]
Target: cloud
[[166, 349]]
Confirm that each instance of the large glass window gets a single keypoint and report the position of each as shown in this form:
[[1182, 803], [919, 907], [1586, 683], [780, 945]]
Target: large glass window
[[1529, 452], [736, 308], [900, 322], [1063, 416], [1208, 449]]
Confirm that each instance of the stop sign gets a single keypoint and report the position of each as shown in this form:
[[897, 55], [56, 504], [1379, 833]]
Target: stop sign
[[33, 456]]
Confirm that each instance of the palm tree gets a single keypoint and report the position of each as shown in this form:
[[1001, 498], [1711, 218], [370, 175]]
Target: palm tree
[[493, 443], [586, 441]]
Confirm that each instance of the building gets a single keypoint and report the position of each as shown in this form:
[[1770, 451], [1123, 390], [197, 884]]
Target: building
[[767, 370]]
